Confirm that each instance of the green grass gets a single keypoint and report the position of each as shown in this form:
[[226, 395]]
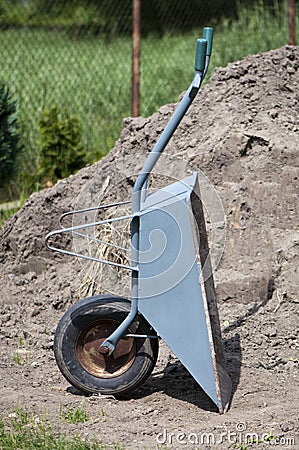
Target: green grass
[[169, 60], [23, 430], [9, 209], [6, 214], [91, 77], [73, 414], [44, 68]]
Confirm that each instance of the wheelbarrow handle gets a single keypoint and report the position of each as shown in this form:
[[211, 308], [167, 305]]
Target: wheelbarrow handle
[[202, 58], [203, 47], [200, 55], [208, 35]]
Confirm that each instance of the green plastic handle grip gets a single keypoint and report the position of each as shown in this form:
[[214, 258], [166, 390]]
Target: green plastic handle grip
[[200, 56], [208, 35]]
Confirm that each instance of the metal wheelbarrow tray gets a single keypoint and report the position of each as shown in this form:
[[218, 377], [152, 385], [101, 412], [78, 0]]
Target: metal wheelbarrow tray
[[109, 345]]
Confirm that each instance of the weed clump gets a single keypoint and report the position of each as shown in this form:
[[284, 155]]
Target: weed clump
[[61, 150]]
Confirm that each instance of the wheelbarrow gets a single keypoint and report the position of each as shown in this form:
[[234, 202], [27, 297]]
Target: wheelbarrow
[[108, 344]]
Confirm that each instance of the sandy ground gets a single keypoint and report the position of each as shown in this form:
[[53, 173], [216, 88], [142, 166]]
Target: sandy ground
[[242, 134]]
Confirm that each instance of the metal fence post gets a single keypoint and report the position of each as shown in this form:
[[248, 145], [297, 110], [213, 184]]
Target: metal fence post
[[292, 26], [136, 58]]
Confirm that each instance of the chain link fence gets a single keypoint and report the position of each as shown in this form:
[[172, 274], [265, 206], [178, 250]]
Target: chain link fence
[[77, 56]]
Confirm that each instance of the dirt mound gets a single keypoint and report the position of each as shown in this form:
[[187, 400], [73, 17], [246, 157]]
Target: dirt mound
[[242, 134]]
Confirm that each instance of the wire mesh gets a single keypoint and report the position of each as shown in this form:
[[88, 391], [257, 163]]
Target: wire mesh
[[76, 55]]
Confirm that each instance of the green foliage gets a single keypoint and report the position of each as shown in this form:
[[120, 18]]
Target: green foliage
[[9, 138], [91, 77], [21, 356], [254, 30], [106, 17], [73, 415], [7, 213], [79, 16], [61, 150], [23, 430]]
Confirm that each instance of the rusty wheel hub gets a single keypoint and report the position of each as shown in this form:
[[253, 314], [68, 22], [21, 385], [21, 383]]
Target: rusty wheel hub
[[102, 365]]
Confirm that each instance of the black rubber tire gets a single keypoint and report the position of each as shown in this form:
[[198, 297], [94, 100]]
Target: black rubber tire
[[84, 314]]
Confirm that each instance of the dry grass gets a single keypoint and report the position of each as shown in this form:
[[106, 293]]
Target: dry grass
[[112, 234]]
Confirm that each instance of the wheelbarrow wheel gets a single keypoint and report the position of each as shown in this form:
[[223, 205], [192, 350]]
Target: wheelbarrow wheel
[[79, 335]]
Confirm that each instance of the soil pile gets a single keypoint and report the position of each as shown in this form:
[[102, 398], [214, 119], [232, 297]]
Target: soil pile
[[242, 134]]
